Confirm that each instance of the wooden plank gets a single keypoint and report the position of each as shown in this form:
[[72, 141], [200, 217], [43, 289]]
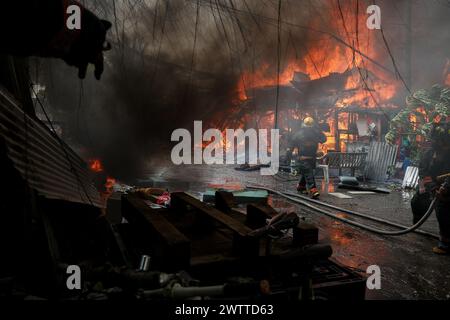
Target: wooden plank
[[243, 245], [179, 198], [170, 247], [224, 200], [304, 234]]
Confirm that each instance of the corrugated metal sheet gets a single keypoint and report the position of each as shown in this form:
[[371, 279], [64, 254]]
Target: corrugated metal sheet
[[50, 166], [380, 157], [411, 178]]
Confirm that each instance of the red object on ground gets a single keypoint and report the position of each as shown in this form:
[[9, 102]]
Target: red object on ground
[[163, 199]]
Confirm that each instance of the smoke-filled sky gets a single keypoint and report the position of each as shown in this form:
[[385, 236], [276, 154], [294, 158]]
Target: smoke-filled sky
[[177, 61]]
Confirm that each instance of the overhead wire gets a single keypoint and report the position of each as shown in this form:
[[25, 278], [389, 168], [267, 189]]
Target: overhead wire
[[274, 22], [394, 63], [278, 64], [367, 88], [224, 32], [194, 46]]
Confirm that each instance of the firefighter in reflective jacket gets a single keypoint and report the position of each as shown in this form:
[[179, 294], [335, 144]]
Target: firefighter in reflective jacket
[[307, 140], [433, 182]]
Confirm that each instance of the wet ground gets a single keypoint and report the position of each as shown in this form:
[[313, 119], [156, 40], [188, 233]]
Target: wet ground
[[409, 269]]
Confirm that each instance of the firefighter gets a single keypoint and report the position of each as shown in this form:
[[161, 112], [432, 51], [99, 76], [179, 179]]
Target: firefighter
[[307, 140], [435, 163]]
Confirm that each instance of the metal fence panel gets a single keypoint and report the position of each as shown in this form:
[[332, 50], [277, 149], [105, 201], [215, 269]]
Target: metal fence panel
[[380, 157], [411, 178]]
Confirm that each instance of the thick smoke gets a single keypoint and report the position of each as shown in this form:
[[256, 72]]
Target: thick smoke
[[178, 61]]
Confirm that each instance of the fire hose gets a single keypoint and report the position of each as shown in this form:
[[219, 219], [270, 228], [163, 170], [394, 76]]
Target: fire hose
[[365, 216], [306, 202]]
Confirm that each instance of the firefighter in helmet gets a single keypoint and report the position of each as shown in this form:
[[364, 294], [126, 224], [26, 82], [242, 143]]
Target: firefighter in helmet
[[307, 140], [434, 182]]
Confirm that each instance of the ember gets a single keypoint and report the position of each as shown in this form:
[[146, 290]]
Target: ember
[[95, 165], [105, 183], [110, 182]]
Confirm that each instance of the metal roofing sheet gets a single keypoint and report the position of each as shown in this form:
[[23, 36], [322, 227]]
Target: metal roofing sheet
[[381, 156], [49, 165]]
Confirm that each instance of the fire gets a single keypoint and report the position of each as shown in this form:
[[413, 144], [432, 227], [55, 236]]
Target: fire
[[95, 165], [379, 91], [110, 182], [318, 59], [106, 193], [263, 77], [367, 86], [446, 74]]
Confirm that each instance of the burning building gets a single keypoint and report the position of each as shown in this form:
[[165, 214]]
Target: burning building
[[335, 99]]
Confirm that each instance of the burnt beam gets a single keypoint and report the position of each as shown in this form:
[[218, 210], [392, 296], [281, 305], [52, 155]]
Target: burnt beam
[[170, 248], [243, 245], [305, 234], [224, 200]]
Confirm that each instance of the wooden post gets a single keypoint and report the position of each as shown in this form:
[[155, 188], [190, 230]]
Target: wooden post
[[337, 136]]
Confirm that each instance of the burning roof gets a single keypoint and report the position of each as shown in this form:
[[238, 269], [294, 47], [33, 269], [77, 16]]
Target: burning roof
[[307, 94]]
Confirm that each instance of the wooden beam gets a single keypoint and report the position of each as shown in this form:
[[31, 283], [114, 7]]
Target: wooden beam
[[224, 200], [242, 243], [211, 212], [305, 234], [171, 249], [258, 213]]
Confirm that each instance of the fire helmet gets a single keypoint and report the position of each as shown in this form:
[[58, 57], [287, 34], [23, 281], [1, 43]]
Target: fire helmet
[[308, 122]]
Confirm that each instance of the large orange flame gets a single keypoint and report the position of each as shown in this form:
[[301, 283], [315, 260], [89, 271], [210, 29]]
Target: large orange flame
[[369, 87]]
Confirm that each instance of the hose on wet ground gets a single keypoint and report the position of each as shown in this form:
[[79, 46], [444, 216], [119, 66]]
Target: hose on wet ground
[[305, 201], [365, 216]]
